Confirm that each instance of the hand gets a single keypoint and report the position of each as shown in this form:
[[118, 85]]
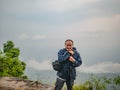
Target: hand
[[71, 59], [71, 52]]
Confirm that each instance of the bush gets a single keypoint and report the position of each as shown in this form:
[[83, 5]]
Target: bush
[[10, 65], [98, 83]]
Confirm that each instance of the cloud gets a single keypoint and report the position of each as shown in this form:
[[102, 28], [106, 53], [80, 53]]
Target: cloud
[[33, 37], [37, 37], [95, 24], [64, 5], [23, 36], [44, 65], [44, 5], [104, 67]]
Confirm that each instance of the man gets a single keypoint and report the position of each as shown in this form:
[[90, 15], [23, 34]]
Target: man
[[71, 59]]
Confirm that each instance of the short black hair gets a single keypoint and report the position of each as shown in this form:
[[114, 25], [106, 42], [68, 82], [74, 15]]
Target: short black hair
[[69, 40]]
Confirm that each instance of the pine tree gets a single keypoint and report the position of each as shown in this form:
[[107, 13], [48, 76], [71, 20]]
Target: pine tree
[[10, 65]]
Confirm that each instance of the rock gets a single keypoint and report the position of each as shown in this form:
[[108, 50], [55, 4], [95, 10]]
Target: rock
[[13, 83]]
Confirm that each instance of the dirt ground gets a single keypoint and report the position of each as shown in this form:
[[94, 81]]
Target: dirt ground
[[13, 83]]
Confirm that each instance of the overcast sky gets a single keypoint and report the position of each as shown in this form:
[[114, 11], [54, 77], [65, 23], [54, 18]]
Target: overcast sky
[[40, 27]]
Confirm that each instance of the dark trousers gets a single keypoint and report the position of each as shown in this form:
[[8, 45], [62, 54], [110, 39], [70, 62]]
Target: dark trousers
[[59, 84]]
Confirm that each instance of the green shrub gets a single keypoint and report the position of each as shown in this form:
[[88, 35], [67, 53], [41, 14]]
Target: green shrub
[[10, 65], [98, 83]]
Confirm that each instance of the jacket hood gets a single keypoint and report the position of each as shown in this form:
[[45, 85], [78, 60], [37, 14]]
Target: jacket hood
[[74, 48]]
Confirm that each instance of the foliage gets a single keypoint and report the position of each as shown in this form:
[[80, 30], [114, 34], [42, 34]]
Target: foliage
[[86, 86], [10, 65], [98, 83], [116, 80]]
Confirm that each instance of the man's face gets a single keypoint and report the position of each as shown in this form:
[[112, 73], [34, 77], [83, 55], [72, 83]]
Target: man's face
[[69, 45]]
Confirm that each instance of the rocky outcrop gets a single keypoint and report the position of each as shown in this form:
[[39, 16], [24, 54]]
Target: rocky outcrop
[[13, 83]]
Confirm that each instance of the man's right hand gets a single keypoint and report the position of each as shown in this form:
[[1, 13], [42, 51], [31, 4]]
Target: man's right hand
[[71, 52]]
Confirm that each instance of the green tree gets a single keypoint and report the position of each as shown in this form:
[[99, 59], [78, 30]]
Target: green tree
[[10, 65]]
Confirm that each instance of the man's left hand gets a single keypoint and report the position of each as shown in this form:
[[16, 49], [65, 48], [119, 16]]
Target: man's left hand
[[71, 59]]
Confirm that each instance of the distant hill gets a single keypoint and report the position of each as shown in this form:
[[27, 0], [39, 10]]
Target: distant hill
[[49, 77]]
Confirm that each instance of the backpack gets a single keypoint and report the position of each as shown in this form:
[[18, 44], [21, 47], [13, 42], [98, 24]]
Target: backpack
[[57, 65]]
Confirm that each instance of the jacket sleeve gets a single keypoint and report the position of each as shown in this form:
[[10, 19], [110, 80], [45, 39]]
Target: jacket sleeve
[[77, 61], [63, 55]]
